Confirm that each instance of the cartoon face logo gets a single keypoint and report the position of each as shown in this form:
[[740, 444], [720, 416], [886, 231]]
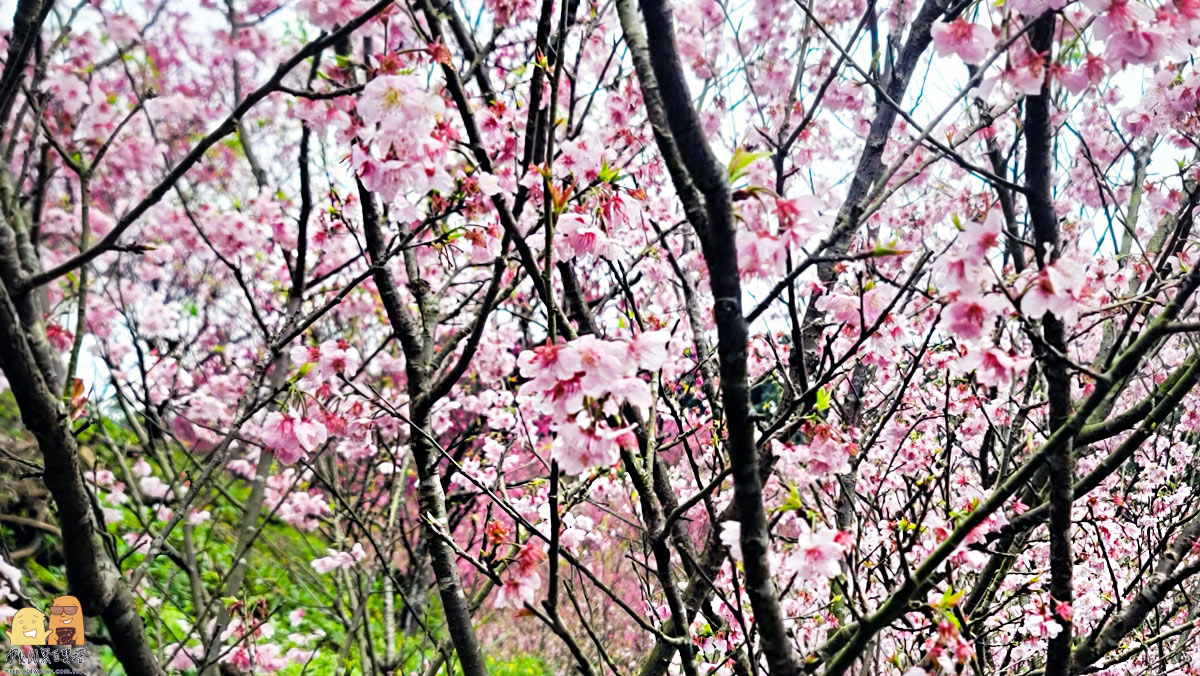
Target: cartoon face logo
[[66, 622], [28, 628]]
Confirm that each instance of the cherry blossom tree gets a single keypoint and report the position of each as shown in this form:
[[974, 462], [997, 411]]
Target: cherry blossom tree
[[702, 338]]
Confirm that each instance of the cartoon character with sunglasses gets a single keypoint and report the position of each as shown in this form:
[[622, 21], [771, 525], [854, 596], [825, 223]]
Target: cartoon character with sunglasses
[[66, 622]]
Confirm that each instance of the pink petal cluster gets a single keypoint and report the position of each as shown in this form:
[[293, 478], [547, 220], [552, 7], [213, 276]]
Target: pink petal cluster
[[818, 554], [578, 384], [1133, 32], [303, 510], [827, 452], [763, 246], [1057, 289], [582, 444], [969, 317], [402, 150], [971, 42], [576, 236], [291, 438], [338, 559], [329, 14], [992, 366], [523, 578]]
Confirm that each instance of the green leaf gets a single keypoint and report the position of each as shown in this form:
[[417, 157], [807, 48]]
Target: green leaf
[[304, 370], [741, 161], [950, 597], [953, 620], [822, 399], [793, 503], [42, 574], [608, 174], [890, 249], [756, 191]]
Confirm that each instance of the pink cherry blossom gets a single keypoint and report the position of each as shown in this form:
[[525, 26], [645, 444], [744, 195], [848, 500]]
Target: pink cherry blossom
[[992, 366], [291, 438], [969, 41], [69, 92], [601, 362], [582, 445], [339, 559], [969, 318], [1087, 74], [818, 554], [393, 100], [649, 349], [327, 14], [1054, 290], [979, 237]]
